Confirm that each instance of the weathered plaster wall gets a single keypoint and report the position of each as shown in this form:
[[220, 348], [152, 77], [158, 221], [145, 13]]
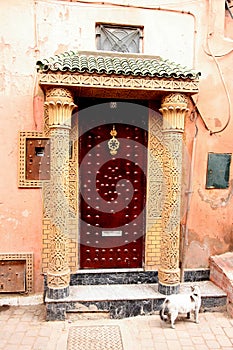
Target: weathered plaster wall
[[177, 31], [210, 228], [210, 223], [67, 26], [20, 210]]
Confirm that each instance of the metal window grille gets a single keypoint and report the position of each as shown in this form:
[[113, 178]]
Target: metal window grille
[[119, 38], [228, 7]]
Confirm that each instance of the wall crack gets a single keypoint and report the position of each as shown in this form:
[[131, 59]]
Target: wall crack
[[220, 202]]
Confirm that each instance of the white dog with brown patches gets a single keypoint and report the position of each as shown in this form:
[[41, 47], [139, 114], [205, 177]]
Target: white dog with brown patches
[[181, 304]]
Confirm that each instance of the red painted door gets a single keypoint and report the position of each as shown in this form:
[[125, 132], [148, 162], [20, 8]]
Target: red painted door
[[112, 186]]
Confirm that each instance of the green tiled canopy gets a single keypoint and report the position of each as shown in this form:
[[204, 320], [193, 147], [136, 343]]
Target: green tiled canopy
[[116, 63]]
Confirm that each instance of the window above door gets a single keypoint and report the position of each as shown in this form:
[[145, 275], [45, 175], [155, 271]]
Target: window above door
[[119, 38]]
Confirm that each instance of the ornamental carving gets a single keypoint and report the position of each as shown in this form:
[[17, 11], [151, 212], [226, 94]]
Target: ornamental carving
[[155, 165], [22, 180], [60, 94], [164, 172], [58, 250], [59, 208], [175, 99], [58, 280], [147, 83], [169, 277], [174, 108], [172, 169], [60, 103]]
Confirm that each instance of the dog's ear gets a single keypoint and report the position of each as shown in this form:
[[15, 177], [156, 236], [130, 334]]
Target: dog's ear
[[192, 288]]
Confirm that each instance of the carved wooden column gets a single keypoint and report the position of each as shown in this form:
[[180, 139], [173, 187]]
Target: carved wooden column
[[173, 109], [60, 105]]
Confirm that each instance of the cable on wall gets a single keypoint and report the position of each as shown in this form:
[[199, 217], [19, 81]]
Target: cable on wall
[[209, 52], [225, 88]]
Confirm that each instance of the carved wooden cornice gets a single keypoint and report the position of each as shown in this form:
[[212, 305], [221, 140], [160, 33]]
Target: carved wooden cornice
[[119, 82]]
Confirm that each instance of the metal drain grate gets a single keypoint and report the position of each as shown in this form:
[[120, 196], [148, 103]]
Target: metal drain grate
[[94, 338]]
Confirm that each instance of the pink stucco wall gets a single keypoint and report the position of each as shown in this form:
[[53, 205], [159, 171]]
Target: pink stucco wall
[[184, 32]]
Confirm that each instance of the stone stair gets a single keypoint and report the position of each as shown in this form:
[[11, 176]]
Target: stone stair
[[221, 274], [120, 300]]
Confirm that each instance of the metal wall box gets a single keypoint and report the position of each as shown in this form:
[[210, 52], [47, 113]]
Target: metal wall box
[[37, 159], [34, 159], [12, 276], [218, 170]]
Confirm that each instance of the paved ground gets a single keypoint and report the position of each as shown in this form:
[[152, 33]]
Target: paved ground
[[25, 328]]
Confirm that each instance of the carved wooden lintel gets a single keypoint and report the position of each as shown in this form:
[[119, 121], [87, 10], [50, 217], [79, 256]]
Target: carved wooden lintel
[[119, 82]]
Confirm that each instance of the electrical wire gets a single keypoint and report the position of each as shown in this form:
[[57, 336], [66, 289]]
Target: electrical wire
[[225, 88], [218, 55], [223, 54], [107, 3], [210, 53]]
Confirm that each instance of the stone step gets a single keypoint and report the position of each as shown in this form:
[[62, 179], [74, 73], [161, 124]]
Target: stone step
[[129, 276], [221, 273], [126, 300]]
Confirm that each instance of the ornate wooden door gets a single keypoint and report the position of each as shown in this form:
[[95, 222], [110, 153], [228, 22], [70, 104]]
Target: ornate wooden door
[[112, 186]]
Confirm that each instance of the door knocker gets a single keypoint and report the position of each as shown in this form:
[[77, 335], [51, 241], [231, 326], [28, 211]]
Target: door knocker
[[113, 143]]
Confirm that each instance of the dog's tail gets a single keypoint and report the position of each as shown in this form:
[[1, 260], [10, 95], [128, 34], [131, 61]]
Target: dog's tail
[[164, 311]]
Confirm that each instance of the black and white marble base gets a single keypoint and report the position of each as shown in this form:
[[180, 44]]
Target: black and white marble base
[[122, 301]]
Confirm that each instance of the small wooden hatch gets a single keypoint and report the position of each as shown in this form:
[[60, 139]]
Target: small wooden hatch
[[12, 276]]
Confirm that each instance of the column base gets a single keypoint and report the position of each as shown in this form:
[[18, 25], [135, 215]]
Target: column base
[[58, 293], [168, 289]]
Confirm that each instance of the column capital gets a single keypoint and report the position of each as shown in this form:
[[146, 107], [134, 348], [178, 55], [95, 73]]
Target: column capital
[[60, 105], [173, 108]]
